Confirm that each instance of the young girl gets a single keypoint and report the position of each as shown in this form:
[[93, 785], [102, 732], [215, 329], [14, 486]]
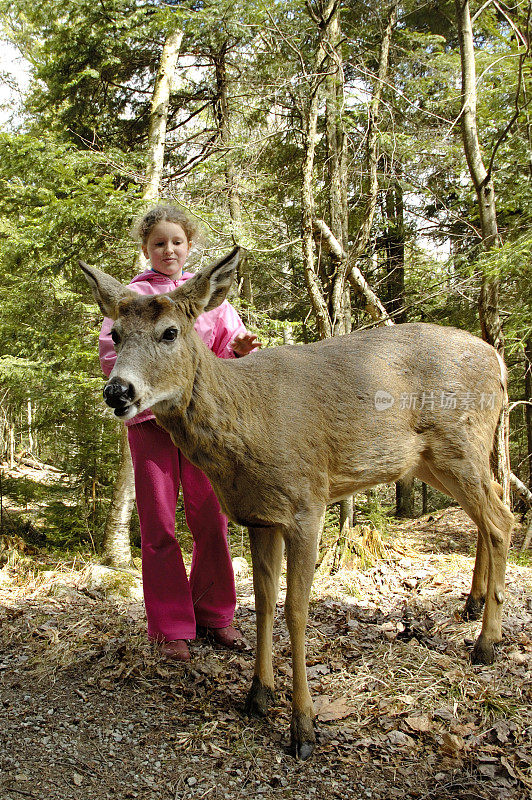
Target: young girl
[[175, 606]]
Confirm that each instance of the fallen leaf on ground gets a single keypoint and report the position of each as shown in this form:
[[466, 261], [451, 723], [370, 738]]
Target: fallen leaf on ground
[[452, 744], [400, 739], [328, 710], [420, 723]]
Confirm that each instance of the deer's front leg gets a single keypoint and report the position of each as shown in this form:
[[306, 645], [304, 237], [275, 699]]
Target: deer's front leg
[[301, 562], [266, 555]]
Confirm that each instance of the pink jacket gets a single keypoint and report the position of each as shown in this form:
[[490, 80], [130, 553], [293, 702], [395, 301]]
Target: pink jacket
[[217, 328]]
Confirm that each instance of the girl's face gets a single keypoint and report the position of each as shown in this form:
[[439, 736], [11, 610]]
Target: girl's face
[[167, 248]]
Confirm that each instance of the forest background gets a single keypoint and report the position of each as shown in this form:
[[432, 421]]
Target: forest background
[[324, 137]]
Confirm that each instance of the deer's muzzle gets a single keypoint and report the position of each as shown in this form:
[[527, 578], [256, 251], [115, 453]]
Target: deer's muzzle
[[118, 395]]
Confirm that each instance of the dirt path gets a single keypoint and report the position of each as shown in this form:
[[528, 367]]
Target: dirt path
[[89, 711]]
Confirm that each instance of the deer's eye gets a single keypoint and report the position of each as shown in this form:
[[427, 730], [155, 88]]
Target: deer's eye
[[115, 337], [169, 335]]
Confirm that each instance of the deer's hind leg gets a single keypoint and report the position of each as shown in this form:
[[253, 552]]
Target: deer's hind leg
[[497, 535], [479, 585], [477, 595], [301, 544], [473, 488], [267, 556]]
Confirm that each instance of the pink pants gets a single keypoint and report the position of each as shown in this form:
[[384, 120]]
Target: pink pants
[[173, 603]]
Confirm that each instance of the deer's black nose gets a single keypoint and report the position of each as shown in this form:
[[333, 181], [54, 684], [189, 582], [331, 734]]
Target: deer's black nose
[[118, 393]]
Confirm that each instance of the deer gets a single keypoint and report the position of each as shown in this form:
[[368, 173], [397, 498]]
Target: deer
[[289, 429]]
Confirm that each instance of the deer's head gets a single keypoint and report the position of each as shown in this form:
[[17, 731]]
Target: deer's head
[[153, 335]]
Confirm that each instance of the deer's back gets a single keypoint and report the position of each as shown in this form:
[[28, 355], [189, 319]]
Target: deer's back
[[419, 366], [333, 417]]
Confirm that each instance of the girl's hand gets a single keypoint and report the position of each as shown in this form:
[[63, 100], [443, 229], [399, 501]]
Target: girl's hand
[[244, 343]]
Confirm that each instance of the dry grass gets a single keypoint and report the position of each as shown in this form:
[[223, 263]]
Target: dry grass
[[401, 711]]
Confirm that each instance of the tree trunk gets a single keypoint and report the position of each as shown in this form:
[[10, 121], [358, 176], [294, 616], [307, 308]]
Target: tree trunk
[[116, 544], [337, 177], [222, 114], [424, 498], [347, 512], [31, 442], [521, 489], [372, 303], [372, 146], [394, 243], [309, 114], [489, 293], [1, 501], [159, 115], [346, 263], [319, 306], [339, 306], [404, 498], [11, 437], [528, 406], [329, 312]]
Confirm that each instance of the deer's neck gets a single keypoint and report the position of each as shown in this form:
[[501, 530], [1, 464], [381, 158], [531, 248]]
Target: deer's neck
[[206, 423]]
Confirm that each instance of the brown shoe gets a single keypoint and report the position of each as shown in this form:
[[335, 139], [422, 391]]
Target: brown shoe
[[229, 637], [176, 650]]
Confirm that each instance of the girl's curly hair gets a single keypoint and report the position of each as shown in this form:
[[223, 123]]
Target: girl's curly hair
[[164, 213]]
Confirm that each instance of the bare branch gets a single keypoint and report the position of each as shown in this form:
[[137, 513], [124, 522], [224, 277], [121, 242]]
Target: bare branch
[[512, 24], [480, 10], [373, 304], [521, 489]]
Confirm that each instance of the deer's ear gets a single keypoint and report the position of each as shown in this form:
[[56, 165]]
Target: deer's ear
[[209, 287], [107, 291]]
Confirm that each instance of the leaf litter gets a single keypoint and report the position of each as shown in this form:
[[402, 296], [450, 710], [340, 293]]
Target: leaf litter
[[89, 710]]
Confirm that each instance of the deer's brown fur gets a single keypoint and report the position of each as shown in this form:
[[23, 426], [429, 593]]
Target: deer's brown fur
[[285, 431]]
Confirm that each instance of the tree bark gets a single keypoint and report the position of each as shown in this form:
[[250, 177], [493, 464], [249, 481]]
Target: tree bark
[[11, 437], [394, 243], [319, 306], [372, 145], [332, 306], [329, 312], [345, 266], [159, 115], [222, 114], [340, 304], [404, 498], [482, 181], [339, 298], [116, 538], [31, 442], [528, 407], [310, 127]]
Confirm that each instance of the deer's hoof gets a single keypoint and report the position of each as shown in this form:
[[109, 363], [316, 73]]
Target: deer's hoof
[[483, 651], [473, 608], [260, 699], [303, 738], [303, 751]]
